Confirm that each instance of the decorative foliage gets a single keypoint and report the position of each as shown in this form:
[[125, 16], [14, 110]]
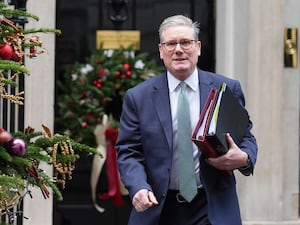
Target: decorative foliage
[[16, 44], [89, 90], [22, 152], [20, 170]]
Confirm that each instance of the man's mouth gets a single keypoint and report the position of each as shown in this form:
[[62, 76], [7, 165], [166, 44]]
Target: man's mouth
[[180, 59]]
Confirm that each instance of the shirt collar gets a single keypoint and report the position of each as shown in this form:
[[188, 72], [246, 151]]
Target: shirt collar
[[191, 81]]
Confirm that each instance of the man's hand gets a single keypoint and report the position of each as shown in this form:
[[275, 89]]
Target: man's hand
[[233, 159], [143, 200]]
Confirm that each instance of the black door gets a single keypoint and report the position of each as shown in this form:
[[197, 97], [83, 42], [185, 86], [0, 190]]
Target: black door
[[79, 20]]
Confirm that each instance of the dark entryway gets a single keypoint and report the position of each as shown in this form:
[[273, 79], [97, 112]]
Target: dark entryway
[[79, 20]]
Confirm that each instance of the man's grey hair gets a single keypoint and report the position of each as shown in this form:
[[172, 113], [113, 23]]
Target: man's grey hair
[[178, 20]]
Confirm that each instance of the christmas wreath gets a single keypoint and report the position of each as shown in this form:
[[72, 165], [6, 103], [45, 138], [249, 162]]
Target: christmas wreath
[[89, 90]]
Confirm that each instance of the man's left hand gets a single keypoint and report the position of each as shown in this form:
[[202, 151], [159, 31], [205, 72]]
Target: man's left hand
[[233, 159]]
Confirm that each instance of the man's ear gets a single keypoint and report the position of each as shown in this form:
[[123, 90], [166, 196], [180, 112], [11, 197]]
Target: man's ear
[[160, 51], [199, 46]]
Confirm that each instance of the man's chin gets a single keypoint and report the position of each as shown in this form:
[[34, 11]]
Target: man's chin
[[183, 73], [181, 68]]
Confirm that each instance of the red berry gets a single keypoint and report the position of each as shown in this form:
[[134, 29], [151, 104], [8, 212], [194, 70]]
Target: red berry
[[84, 125], [128, 73], [101, 72], [126, 66]]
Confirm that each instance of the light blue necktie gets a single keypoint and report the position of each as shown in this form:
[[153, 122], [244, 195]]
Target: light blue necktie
[[187, 177]]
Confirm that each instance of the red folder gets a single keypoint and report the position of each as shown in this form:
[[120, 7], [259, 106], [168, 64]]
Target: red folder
[[199, 134], [221, 114]]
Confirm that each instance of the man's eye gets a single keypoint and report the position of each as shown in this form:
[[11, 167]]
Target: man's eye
[[171, 43], [185, 43]]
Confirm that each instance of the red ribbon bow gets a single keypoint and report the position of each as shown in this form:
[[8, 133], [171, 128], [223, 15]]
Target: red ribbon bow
[[112, 170]]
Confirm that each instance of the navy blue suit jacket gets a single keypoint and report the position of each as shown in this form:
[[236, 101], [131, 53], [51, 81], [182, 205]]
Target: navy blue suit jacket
[[145, 148]]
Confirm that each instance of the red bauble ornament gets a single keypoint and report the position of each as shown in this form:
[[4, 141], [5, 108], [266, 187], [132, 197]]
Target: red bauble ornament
[[6, 51], [18, 147], [5, 138]]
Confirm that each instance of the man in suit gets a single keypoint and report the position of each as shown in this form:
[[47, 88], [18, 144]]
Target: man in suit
[[148, 141]]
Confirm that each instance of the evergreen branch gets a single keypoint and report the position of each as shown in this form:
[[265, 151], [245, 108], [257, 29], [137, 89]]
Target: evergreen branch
[[52, 185], [45, 142], [5, 155], [14, 66], [20, 163], [67, 158], [9, 82], [11, 181], [42, 30], [16, 12], [32, 149], [85, 148], [39, 157], [27, 137]]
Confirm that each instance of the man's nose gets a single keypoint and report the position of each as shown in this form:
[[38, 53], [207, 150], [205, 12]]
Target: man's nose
[[178, 47]]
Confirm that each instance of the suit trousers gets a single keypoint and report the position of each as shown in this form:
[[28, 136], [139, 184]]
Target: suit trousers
[[177, 211]]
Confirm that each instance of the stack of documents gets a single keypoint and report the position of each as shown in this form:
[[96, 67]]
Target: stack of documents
[[221, 114]]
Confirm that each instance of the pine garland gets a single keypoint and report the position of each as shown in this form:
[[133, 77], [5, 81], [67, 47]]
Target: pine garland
[[20, 171], [57, 150]]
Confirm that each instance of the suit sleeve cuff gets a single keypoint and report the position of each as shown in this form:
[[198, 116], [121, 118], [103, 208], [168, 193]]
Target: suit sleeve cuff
[[248, 169]]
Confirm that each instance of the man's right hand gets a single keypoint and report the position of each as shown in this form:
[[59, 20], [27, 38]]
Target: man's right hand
[[143, 200]]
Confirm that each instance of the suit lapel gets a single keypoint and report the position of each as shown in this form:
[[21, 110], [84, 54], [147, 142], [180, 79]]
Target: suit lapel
[[160, 96], [205, 84]]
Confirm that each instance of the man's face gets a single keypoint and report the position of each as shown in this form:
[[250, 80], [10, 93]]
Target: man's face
[[179, 61]]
